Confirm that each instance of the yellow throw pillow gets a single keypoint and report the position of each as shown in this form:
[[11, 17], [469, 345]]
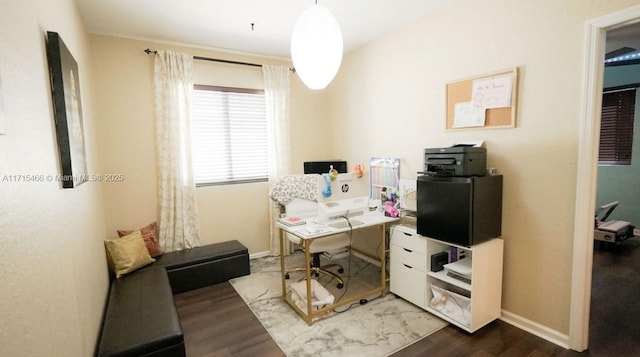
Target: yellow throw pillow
[[128, 253]]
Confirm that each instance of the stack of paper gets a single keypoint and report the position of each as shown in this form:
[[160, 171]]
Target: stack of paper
[[460, 269], [292, 221]]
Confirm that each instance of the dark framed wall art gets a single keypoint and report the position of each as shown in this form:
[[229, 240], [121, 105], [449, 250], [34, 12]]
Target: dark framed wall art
[[3, 114], [67, 111]]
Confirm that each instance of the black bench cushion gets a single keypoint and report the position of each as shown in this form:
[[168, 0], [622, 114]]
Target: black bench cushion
[[201, 254], [141, 308]]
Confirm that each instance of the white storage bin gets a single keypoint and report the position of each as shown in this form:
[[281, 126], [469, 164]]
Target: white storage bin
[[452, 305], [320, 296]]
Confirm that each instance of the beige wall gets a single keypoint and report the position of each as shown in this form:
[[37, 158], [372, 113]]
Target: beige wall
[[123, 82], [390, 95], [53, 277]]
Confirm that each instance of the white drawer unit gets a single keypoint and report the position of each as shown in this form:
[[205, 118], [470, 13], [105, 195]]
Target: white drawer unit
[[477, 302], [407, 238], [408, 265]]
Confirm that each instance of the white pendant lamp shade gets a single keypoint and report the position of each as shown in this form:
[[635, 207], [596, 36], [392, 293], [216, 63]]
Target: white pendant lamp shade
[[316, 47]]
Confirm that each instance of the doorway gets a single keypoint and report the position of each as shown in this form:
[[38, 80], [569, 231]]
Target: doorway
[[588, 169]]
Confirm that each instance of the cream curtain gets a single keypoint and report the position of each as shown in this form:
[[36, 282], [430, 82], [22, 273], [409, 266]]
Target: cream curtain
[[277, 92], [178, 224]]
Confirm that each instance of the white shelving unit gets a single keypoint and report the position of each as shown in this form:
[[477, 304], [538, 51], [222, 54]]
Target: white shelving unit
[[412, 278]]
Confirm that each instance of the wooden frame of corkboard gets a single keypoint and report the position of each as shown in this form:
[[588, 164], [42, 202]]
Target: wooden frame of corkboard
[[460, 91]]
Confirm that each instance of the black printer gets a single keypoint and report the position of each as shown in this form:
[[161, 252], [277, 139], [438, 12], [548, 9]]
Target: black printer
[[457, 160]]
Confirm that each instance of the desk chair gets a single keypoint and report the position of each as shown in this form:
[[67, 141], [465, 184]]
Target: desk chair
[[308, 209]]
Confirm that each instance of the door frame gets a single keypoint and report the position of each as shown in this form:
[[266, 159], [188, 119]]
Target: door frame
[[587, 170]]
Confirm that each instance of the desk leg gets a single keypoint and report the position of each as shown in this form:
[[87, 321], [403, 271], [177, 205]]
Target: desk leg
[[383, 259], [282, 267], [307, 262]]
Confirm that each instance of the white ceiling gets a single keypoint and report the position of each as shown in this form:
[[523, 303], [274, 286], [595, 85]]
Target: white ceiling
[[226, 24]]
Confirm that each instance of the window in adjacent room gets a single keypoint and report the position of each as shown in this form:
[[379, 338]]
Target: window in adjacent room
[[616, 128], [229, 135]]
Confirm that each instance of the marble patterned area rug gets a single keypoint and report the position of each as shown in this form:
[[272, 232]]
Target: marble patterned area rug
[[380, 327]]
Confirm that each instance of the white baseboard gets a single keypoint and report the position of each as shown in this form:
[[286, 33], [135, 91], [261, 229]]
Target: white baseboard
[[259, 255], [536, 329]]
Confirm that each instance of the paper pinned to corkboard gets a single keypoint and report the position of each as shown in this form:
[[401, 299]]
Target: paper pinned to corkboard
[[500, 88]]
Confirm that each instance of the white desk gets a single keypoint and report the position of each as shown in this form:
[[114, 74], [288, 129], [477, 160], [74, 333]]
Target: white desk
[[373, 219]]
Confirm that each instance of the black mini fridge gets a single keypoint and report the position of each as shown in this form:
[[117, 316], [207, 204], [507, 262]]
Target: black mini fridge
[[460, 210]]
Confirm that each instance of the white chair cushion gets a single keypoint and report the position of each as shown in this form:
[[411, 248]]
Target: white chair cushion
[[329, 243]]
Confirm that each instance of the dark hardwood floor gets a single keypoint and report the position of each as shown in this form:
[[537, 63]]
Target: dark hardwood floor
[[496, 339], [615, 307], [217, 322]]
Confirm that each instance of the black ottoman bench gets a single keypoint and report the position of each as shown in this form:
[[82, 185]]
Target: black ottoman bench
[[206, 265], [141, 318]]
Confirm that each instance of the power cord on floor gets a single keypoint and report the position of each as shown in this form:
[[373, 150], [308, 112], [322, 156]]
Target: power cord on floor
[[342, 309]]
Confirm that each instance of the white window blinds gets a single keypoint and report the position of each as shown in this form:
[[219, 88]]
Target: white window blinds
[[229, 135], [616, 127]]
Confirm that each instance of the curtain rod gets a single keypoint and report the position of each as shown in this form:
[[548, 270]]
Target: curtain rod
[[148, 51]]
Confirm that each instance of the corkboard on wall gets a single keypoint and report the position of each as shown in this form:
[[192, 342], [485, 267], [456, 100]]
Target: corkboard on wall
[[461, 92]]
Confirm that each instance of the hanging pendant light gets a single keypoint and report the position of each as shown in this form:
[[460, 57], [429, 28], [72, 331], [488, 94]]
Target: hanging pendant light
[[316, 47]]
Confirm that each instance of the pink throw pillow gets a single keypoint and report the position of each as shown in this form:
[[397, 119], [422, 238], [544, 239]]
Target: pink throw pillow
[[149, 236]]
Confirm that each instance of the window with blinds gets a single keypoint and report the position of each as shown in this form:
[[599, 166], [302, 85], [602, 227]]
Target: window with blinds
[[616, 127], [229, 135]]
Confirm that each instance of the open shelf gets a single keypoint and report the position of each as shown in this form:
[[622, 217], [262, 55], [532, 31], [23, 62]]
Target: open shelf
[[442, 276]]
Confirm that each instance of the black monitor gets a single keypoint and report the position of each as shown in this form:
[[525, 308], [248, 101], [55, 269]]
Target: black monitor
[[323, 167]]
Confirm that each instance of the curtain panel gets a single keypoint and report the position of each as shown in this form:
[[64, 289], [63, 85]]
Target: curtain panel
[[178, 226], [277, 91]]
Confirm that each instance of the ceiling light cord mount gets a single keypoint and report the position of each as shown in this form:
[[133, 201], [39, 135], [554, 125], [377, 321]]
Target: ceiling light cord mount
[[316, 47]]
